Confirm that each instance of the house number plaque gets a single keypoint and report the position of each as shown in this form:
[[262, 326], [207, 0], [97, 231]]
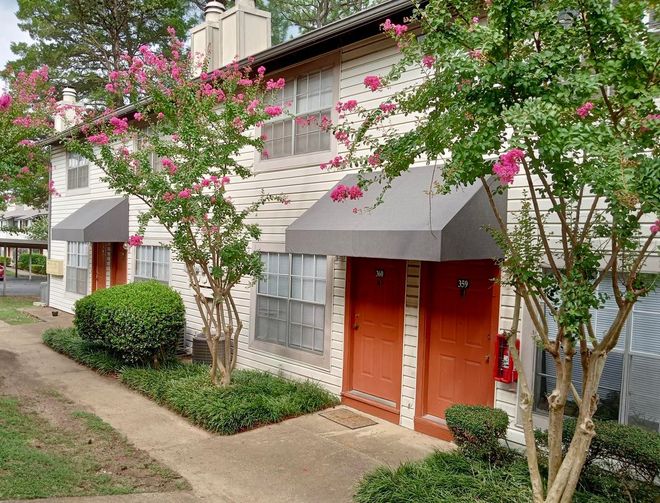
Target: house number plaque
[[380, 273], [463, 285]]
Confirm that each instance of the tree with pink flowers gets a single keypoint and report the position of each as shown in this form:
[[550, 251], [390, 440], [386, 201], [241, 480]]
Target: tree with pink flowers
[[27, 109], [555, 99], [176, 150]]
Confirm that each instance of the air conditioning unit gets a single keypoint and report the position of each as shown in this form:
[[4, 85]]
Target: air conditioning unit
[[201, 352]]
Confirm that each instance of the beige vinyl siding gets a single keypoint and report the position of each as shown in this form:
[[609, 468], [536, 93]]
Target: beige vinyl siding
[[410, 345]]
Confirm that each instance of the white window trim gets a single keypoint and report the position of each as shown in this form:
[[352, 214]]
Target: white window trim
[[78, 190], [313, 158], [142, 278], [295, 356], [87, 270]]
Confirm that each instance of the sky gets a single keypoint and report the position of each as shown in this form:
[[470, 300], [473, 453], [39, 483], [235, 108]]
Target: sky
[[10, 31]]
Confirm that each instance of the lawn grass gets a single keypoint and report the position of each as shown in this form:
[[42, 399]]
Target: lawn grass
[[450, 477], [65, 341], [39, 460], [9, 310], [253, 399]]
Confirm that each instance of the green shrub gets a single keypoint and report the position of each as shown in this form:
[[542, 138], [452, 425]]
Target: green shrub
[[478, 429], [67, 342], [38, 262], [451, 477], [630, 451], [140, 322], [253, 399], [6, 261]]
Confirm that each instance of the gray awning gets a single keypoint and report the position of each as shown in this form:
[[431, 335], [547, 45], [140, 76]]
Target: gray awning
[[99, 221], [409, 224]]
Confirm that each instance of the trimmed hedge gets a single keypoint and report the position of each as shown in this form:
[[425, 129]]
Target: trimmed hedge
[[4, 260], [140, 322], [630, 451], [478, 429], [38, 262]]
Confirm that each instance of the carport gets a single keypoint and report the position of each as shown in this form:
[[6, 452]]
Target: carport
[[16, 244]]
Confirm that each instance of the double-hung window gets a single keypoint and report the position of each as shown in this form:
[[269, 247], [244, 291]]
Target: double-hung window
[[628, 389], [152, 262], [309, 98], [77, 265], [291, 299], [155, 162], [77, 171]]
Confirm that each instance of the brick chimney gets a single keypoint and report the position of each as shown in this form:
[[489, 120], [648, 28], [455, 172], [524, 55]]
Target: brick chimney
[[225, 35], [66, 117]]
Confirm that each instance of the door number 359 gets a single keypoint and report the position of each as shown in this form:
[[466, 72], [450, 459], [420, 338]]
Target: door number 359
[[463, 284]]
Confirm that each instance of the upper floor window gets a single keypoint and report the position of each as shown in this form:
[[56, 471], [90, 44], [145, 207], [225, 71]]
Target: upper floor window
[[152, 262], [77, 171], [309, 98], [628, 388], [77, 265], [155, 162]]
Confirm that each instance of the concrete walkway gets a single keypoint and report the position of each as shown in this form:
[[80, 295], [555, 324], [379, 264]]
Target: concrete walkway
[[306, 459]]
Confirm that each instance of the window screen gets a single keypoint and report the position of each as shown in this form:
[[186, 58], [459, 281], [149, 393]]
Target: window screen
[[77, 264]]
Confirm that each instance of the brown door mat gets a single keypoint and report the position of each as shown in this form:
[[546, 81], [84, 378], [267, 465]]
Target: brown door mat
[[347, 418]]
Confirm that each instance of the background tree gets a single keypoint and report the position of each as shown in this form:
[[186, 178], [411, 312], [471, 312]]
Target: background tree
[[556, 97], [177, 154], [27, 108], [82, 40], [309, 15]]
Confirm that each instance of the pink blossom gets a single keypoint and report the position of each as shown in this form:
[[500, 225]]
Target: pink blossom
[[175, 137], [374, 159], [224, 180], [206, 182], [475, 20], [184, 194], [160, 116], [349, 106], [169, 164], [237, 122], [476, 54], [110, 87], [507, 167], [653, 117], [655, 228], [373, 82], [428, 61], [273, 110], [398, 29], [26, 143], [25, 121], [342, 136], [120, 125], [387, 107], [275, 84], [342, 192], [168, 197], [98, 139], [265, 153], [114, 75], [25, 170], [585, 109], [244, 82], [261, 70], [252, 106], [51, 188], [326, 123], [135, 240], [197, 187], [286, 201], [138, 116]]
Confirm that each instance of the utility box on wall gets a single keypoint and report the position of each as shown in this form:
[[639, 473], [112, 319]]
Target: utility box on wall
[[55, 267]]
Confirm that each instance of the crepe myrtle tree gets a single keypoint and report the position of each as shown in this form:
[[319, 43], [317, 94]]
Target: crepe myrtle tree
[[27, 109], [177, 152], [556, 98]]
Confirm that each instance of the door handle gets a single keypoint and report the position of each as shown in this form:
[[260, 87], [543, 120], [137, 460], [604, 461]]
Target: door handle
[[356, 325], [487, 359]]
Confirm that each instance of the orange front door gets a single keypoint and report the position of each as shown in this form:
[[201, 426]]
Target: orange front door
[[375, 323], [460, 306], [118, 265], [99, 265]]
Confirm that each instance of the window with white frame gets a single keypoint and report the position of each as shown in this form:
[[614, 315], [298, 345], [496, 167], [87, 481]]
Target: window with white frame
[[155, 162], [291, 301], [309, 98], [152, 262], [77, 171], [630, 382], [77, 265]]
